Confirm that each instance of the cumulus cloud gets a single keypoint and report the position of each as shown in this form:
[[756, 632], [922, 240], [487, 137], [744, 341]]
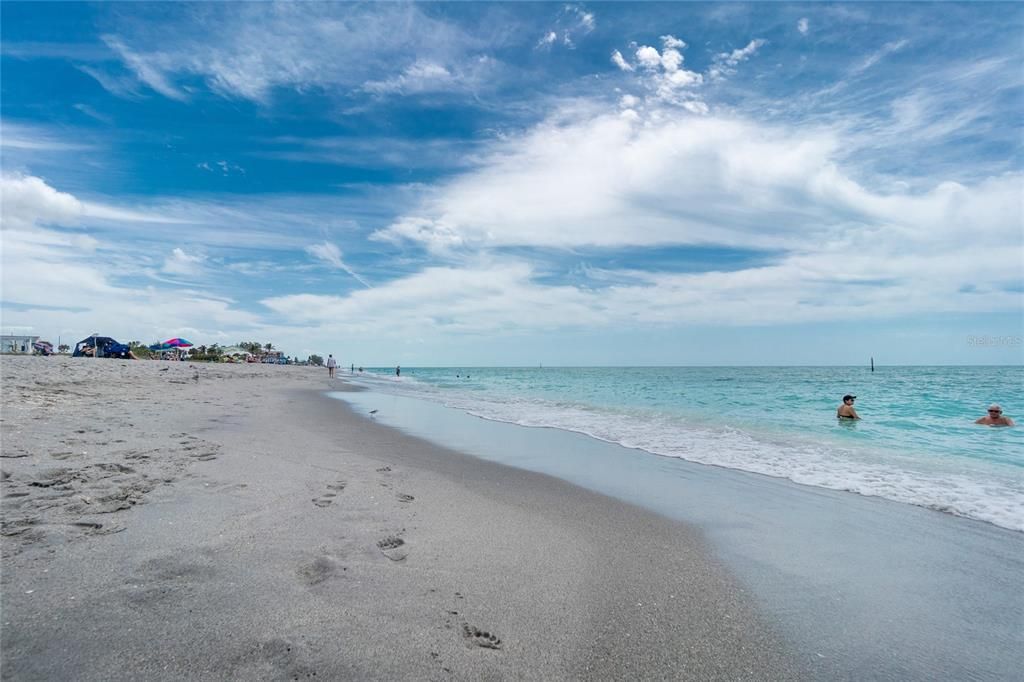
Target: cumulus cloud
[[183, 264], [845, 249], [664, 75], [65, 281], [28, 202], [620, 61]]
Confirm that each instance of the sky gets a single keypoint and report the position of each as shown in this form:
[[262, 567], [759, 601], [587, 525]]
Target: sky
[[463, 184]]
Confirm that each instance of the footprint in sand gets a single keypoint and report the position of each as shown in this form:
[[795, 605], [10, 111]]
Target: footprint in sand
[[327, 498], [481, 638], [393, 548], [319, 570], [402, 497], [383, 470]]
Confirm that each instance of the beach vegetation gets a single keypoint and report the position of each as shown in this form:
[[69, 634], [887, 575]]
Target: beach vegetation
[[315, 360], [140, 350]]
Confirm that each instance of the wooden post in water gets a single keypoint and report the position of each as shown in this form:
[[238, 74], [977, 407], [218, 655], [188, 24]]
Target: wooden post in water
[[872, 364]]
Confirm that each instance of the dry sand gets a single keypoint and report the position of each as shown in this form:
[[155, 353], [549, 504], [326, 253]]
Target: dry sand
[[165, 521]]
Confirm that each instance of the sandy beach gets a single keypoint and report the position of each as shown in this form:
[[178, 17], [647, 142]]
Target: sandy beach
[[170, 521]]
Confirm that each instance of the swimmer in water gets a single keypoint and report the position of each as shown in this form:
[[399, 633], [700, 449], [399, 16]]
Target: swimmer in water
[[995, 417], [846, 410]]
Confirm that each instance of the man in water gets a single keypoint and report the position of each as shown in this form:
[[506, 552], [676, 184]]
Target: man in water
[[398, 371], [331, 364], [995, 417], [846, 410]]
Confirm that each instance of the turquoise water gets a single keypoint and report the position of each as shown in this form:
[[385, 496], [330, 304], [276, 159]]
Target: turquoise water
[[916, 443]]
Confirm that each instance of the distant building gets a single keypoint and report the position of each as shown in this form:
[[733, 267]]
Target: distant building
[[12, 343]]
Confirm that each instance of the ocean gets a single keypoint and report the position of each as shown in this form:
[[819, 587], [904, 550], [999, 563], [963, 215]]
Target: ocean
[[916, 443]]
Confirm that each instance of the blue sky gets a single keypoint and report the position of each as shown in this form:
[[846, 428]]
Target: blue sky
[[492, 184]]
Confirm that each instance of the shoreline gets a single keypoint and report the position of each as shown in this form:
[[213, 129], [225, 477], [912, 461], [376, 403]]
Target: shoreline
[[855, 583], [274, 534]]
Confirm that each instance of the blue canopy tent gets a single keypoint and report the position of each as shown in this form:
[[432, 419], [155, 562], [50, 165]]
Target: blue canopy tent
[[101, 347]]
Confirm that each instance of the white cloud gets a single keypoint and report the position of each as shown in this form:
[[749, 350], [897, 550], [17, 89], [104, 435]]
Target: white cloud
[[742, 54], [572, 22], [183, 264], [151, 69], [331, 254], [845, 250], [587, 20], [36, 139], [427, 76], [620, 61], [247, 50], [803, 25], [724, 63], [29, 202], [222, 167], [66, 282], [648, 57], [670, 42], [879, 55]]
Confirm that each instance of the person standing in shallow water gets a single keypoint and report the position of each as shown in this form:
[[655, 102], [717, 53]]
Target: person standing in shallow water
[[331, 364], [995, 417], [398, 371], [846, 410]]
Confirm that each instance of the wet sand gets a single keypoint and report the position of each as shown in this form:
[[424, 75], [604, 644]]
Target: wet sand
[[164, 521]]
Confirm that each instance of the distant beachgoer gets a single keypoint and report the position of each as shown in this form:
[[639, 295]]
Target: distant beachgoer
[[331, 364], [398, 371], [846, 410], [995, 417], [352, 369]]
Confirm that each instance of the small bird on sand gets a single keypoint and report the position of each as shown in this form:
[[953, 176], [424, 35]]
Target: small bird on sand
[[373, 411]]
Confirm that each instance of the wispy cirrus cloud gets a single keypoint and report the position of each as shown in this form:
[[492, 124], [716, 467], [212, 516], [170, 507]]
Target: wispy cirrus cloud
[[329, 253], [878, 55], [385, 49], [725, 62]]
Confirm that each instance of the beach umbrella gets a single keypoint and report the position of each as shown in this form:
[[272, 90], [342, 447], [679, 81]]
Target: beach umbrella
[[177, 343], [160, 347]]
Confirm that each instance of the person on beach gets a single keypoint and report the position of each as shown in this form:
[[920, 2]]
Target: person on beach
[[846, 410], [331, 364], [995, 417], [398, 371]]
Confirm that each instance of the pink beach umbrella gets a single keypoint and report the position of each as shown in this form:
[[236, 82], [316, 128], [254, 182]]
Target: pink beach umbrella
[[177, 343]]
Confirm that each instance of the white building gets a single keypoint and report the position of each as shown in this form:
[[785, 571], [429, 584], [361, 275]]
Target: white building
[[14, 343]]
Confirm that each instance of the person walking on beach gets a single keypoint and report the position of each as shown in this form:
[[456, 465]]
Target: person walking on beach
[[995, 417], [331, 364], [846, 410]]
